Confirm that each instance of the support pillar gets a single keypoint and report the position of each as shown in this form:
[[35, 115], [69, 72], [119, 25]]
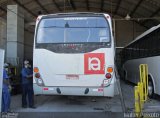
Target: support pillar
[[15, 35]]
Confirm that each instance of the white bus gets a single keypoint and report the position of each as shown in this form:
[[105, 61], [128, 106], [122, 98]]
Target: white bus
[[74, 55], [145, 49]]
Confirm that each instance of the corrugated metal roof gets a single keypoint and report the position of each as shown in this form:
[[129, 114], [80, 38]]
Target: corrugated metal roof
[[116, 8]]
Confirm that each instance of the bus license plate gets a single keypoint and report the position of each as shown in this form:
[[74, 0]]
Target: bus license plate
[[72, 77]]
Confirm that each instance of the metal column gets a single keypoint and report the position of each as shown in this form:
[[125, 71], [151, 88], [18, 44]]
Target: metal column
[[1, 73]]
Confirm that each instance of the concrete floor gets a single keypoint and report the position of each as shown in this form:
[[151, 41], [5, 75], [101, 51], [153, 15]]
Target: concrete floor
[[83, 104]]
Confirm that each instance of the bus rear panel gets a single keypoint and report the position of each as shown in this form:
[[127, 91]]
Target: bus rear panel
[[74, 55]]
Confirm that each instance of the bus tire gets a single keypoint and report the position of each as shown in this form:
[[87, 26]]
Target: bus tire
[[125, 76], [150, 87]]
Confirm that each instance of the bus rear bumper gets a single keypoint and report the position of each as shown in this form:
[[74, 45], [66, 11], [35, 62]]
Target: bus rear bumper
[[75, 91]]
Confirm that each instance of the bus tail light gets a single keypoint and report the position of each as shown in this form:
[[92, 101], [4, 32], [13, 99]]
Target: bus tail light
[[107, 81], [110, 69], [108, 76], [36, 70], [40, 82], [37, 75]]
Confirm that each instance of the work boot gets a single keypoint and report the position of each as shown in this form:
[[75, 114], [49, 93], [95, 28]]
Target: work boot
[[24, 106], [33, 107]]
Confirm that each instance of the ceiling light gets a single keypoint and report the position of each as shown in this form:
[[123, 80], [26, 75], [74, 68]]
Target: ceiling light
[[127, 17]]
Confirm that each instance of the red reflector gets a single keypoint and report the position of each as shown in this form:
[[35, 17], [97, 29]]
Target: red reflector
[[45, 89], [108, 75], [100, 89]]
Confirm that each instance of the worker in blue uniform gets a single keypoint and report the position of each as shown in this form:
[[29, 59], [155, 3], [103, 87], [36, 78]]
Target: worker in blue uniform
[[6, 97], [27, 85]]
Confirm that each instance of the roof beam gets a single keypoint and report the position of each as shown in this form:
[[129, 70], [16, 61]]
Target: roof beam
[[4, 11], [155, 13], [21, 5], [87, 3], [102, 5], [72, 4], [29, 31], [1, 8], [152, 15], [44, 9], [136, 7], [55, 3], [141, 24], [117, 7]]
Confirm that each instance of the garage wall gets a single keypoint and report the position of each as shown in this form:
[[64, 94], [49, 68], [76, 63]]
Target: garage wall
[[28, 47], [3, 33], [126, 31]]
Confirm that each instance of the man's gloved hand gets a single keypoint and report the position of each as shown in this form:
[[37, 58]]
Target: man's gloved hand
[[30, 77], [10, 88]]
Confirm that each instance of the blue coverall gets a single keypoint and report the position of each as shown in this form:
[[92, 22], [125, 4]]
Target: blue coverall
[[27, 87], [6, 97]]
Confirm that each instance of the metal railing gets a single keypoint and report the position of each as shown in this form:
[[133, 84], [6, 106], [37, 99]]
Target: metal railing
[[141, 90]]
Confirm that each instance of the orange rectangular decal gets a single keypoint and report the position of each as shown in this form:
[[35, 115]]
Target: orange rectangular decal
[[94, 63]]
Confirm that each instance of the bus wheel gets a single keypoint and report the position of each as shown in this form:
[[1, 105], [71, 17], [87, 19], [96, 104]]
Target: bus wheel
[[125, 75], [150, 88]]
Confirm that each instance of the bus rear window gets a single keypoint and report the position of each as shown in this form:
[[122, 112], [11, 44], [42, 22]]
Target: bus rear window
[[73, 30]]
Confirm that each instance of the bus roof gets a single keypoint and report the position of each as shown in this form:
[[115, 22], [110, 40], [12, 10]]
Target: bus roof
[[144, 34], [74, 13]]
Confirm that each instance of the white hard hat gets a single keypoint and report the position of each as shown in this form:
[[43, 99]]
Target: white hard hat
[[26, 62]]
